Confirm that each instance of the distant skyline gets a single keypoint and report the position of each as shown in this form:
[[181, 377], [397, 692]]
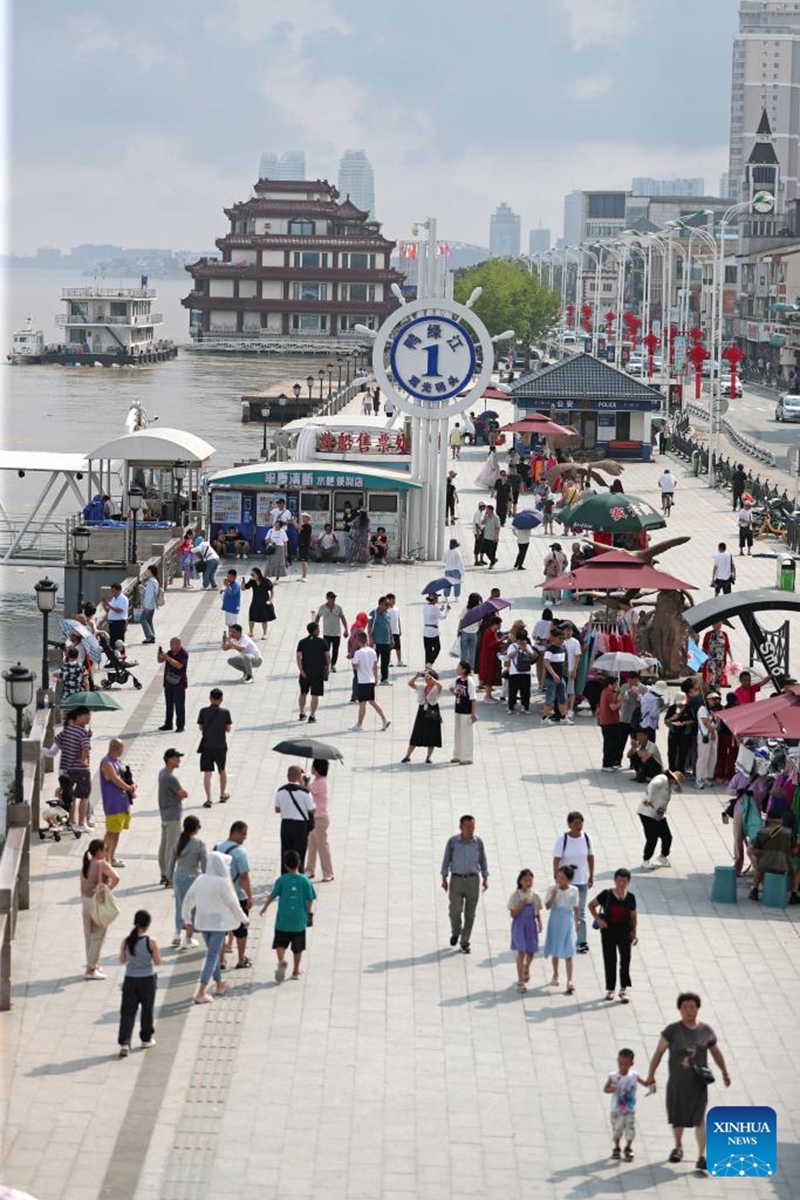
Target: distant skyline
[[143, 131]]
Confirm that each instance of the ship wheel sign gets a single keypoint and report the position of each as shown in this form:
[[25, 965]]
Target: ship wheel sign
[[426, 353]]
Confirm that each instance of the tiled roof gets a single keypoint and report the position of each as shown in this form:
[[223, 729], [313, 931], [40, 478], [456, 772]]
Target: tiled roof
[[581, 376]]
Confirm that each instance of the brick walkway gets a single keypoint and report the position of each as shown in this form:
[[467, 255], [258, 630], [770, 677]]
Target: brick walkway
[[395, 1067]]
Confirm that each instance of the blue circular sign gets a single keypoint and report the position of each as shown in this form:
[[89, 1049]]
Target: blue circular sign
[[432, 358]]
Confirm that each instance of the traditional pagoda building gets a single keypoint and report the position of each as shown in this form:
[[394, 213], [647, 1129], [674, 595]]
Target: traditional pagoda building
[[297, 263]]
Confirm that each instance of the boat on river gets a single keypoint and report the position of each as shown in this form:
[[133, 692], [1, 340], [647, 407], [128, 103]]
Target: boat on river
[[27, 345]]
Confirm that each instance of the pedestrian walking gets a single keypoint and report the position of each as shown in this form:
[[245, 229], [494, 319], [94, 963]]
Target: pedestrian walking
[[246, 657], [233, 848], [723, 572], [622, 1086], [491, 535], [379, 631], [330, 616], [215, 724], [451, 498], [707, 734], [574, 849], [365, 665], [396, 626], [118, 790], [353, 643], [117, 609], [477, 535], [432, 613], [212, 907], [738, 483], [313, 662], [561, 901], [427, 730], [488, 661], [521, 657], [366, 403], [176, 662], [503, 497], [150, 595], [454, 569], [688, 1042], [455, 440], [613, 732], [295, 895], [614, 912], [140, 956], [189, 861], [74, 741], [554, 564], [652, 813], [170, 806], [276, 543], [464, 869], [468, 634], [525, 908], [295, 804], [466, 714], [262, 610], [305, 534], [745, 523], [318, 836], [231, 601], [523, 537], [376, 401], [555, 682], [95, 870]]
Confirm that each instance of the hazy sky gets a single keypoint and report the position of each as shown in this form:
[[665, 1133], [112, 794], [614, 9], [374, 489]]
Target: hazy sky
[[135, 124]]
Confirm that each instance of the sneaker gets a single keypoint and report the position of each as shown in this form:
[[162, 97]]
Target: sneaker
[[147, 1044], [547, 721], [356, 728], [190, 943], [177, 941], [385, 726], [648, 865], [280, 973], [165, 729], [569, 719], [454, 939], [117, 862], [386, 683], [302, 717], [606, 768], [465, 947], [124, 1051], [401, 664], [312, 719], [753, 894], [663, 861], [582, 947]]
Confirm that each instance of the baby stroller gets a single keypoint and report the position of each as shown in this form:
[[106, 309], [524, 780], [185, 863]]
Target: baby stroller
[[55, 814], [119, 670]]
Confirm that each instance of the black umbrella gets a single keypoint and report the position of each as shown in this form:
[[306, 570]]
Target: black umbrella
[[306, 747]]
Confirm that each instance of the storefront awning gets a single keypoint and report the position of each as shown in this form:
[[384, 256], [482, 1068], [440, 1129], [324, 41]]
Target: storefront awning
[[317, 474]]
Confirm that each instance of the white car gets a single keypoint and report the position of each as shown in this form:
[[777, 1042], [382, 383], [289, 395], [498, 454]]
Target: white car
[[725, 387], [635, 365], [788, 408]]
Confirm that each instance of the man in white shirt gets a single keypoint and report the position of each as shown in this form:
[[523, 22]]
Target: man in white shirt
[[328, 545], [247, 655], [574, 849], [667, 483], [477, 532], [149, 602], [396, 627], [117, 610], [745, 528], [365, 661], [295, 804], [723, 574], [572, 648], [278, 512]]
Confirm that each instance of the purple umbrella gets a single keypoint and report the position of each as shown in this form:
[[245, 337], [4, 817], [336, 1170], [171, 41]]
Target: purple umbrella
[[529, 518], [474, 615]]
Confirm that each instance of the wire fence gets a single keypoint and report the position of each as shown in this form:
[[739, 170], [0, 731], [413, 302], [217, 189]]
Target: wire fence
[[684, 446]]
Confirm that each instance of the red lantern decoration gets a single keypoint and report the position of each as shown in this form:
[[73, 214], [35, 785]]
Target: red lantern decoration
[[697, 356], [733, 355], [632, 324], [696, 334], [673, 333], [586, 316], [570, 310], [610, 318], [650, 342]]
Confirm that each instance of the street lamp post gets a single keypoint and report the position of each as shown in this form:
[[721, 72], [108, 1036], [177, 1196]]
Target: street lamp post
[[339, 369], [309, 384], [81, 536], [297, 389], [329, 369], [19, 683], [264, 417], [46, 594], [135, 502], [321, 374]]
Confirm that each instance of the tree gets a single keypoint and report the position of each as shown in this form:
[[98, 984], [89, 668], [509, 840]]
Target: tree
[[512, 298]]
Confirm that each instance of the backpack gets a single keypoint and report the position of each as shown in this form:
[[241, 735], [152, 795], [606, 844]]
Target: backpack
[[523, 662], [752, 822]]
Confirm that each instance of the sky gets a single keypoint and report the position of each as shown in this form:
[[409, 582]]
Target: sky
[[136, 126]]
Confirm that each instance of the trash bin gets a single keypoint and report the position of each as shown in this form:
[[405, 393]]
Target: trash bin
[[695, 462], [776, 890], [787, 570], [667, 444]]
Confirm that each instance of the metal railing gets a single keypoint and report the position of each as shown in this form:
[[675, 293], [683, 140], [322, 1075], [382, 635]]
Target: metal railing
[[42, 540], [684, 446], [86, 293], [99, 319]]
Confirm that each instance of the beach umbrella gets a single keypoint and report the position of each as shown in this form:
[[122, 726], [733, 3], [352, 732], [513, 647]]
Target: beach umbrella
[[528, 519], [306, 747], [473, 615], [94, 701], [775, 716], [617, 571], [613, 512], [437, 585], [617, 661], [90, 642]]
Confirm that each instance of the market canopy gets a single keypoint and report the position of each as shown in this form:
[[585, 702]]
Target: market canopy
[[155, 445], [775, 716], [617, 571], [320, 473], [613, 512]]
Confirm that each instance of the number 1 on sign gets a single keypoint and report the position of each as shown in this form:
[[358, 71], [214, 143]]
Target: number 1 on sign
[[433, 361]]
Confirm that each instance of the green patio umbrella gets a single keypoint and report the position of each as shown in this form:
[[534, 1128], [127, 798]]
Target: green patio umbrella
[[94, 701], [613, 512]]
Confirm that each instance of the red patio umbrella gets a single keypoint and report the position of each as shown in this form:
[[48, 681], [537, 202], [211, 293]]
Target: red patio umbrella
[[540, 425], [617, 571], [775, 716]]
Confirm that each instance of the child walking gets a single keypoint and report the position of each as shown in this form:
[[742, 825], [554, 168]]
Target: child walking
[[295, 895], [140, 955], [561, 901], [526, 925], [621, 1086]]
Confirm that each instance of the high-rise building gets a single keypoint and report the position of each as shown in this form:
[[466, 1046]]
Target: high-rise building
[[643, 185], [357, 181], [291, 165], [765, 75], [538, 240], [724, 185], [504, 233]]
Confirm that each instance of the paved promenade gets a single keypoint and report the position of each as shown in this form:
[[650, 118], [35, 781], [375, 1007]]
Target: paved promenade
[[396, 1067]]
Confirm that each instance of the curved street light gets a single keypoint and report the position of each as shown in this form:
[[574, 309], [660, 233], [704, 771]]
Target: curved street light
[[19, 683]]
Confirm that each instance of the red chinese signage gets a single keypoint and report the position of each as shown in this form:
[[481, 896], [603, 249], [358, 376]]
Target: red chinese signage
[[388, 441]]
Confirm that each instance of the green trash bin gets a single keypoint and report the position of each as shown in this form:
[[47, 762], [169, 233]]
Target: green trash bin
[[667, 444], [787, 569], [695, 462], [723, 888]]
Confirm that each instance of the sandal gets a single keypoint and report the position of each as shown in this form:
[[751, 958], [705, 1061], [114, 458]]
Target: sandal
[[616, 1152], [207, 804], [569, 989], [225, 796], [204, 999], [609, 996], [244, 963], [676, 1156], [553, 982]]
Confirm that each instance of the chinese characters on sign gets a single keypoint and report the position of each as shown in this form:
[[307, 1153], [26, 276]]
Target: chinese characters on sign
[[385, 442], [295, 479], [226, 507], [433, 358]]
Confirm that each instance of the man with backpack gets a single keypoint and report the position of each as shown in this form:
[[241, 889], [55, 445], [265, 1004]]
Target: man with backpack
[[521, 657], [574, 849], [240, 877]]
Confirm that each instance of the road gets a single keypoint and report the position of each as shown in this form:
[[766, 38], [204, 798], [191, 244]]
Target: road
[[754, 415]]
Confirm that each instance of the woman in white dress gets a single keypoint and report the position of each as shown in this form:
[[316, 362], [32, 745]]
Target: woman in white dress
[[466, 713], [489, 472]]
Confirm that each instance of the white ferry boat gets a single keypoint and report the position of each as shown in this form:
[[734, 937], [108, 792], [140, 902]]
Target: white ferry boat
[[27, 345]]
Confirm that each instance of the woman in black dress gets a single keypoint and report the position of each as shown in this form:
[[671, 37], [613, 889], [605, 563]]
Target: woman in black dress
[[689, 1043], [427, 729], [304, 534], [261, 607]]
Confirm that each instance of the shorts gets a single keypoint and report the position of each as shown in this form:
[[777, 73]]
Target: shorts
[[213, 757], [81, 782], [365, 691], [623, 1125], [571, 687], [231, 619], [396, 642], [315, 685], [296, 940], [303, 553], [241, 932], [555, 692], [118, 822]]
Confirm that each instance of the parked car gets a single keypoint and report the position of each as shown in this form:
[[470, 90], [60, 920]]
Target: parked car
[[788, 407], [725, 386]]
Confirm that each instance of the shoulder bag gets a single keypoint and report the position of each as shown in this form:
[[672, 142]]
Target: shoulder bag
[[308, 817], [104, 908], [704, 1075]]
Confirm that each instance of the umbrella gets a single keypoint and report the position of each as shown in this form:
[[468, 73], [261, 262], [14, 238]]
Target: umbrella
[[306, 747], [617, 571], [489, 415], [541, 425], [94, 701], [528, 519], [91, 643], [473, 615], [775, 716], [612, 512], [438, 585], [617, 661]]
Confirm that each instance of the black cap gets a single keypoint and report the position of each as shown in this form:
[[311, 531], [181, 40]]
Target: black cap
[[172, 753]]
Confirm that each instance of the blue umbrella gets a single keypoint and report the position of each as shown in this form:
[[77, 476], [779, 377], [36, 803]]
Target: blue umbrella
[[438, 585], [528, 519]]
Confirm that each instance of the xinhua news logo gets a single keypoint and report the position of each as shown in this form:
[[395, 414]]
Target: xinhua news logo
[[742, 1142]]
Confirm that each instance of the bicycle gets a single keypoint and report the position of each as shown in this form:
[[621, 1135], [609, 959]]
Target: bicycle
[[667, 501]]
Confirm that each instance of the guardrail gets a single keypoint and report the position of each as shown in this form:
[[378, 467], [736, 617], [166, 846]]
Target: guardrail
[[744, 443], [684, 446], [341, 397]]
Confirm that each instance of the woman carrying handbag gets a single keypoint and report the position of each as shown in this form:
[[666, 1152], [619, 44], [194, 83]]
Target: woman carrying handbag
[[98, 879]]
